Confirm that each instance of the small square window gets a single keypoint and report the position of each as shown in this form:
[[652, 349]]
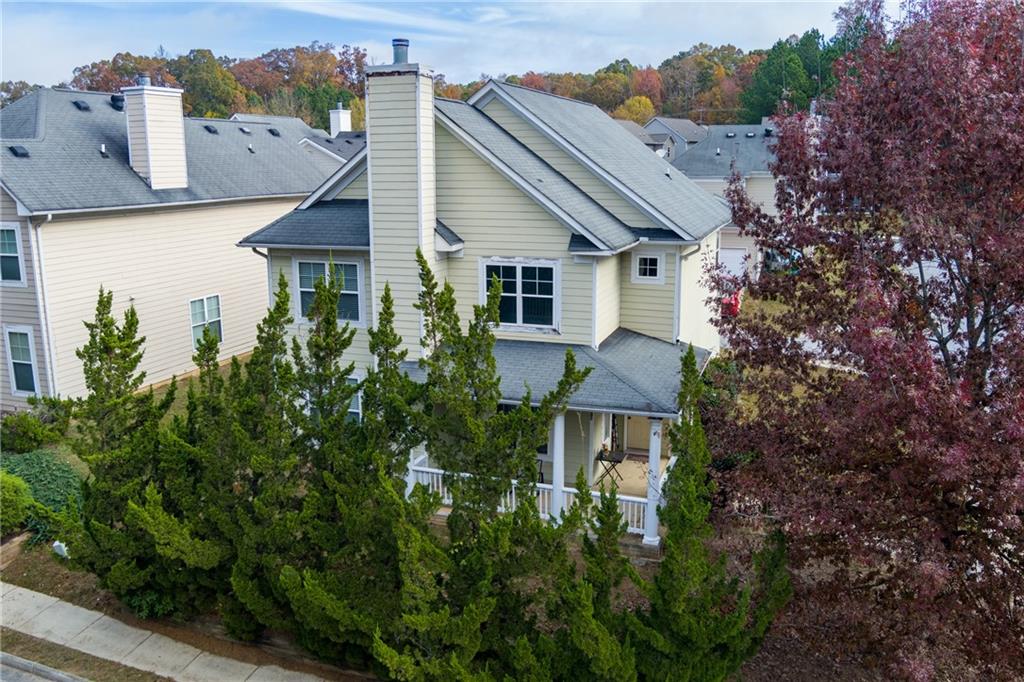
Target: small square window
[[648, 268]]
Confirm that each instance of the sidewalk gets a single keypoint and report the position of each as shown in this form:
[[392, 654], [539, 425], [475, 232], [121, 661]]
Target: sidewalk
[[91, 632]]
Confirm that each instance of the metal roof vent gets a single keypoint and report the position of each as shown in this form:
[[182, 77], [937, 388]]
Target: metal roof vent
[[751, 134], [81, 105], [103, 151], [211, 129], [251, 150], [274, 131], [768, 132], [245, 131], [718, 151], [730, 135], [19, 151], [328, 140], [117, 102]]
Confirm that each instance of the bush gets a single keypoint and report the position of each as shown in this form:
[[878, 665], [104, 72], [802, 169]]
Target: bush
[[15, 503], [24, 431], [51, 479]]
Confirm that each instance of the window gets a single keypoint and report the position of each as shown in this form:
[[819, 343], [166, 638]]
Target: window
[[21, 354], [347, 274], [527, 291], [205, 313], [355, 408], [12, 270], [648, 268]]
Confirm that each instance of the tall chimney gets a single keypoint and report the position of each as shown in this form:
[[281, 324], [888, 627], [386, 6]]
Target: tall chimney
[[341, 120], [400, 141], [156, 134]]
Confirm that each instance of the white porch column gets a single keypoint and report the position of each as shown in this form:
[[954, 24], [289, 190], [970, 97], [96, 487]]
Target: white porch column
[[651, 536], [557, 466]]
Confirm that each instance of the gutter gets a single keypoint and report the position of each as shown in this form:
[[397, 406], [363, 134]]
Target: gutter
[[42, 302], [169, 204]]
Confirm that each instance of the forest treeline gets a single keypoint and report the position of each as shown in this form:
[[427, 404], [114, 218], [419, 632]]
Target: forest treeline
[[709, 84]]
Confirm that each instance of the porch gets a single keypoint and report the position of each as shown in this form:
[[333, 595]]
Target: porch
[[616, 420]]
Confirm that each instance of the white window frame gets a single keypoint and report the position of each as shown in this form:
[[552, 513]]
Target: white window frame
[[23, 282], [635, 276], [220, 318], [358, 398], [360, 298], [556, 303], [28, 331]]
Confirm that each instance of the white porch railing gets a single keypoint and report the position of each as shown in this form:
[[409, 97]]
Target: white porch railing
[[633, 509]]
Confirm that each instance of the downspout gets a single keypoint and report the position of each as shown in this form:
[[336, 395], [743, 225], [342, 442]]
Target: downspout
[[42, 303], [270, 275]]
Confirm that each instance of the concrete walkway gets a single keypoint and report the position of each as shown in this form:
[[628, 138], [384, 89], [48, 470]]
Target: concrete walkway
[[91, 632]]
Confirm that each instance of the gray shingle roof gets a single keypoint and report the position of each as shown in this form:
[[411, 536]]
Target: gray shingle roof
[[345, 145], [65, 170], [609, 146], [538, 174], [447, 234], [752, 154], [636, 130], [631, 372], [341, 223], [684, 127]]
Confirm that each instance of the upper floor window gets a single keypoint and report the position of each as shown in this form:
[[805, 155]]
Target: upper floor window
[[529, 291], [205, 313], [347, 274], [12, 268], [648, 268], [21, 363]]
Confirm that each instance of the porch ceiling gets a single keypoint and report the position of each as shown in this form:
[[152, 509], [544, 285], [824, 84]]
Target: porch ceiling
[[631, 373]]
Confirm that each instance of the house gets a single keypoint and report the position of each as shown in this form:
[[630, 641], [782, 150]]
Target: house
[[684, 132], [748, 150], [661, 144], [122, 191], [599, 244]]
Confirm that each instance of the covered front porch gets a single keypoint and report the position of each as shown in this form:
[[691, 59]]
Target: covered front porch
[[614, 428]]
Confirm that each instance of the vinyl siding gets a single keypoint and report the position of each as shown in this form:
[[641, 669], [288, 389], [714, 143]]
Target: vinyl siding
[[608, 296], [694, 314], [157, 137], [716, 186], [282, 262], [495, 218], [398, 110], [159, 261], [649, 308], [355, 189], [595, 188], [762, 190], [20, 307]]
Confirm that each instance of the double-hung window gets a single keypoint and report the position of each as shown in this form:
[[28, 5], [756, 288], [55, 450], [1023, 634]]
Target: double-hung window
[[355, 408], [648, 268], [12, 266], [205, 313], [529, 294], [21, 364], [347, 274]]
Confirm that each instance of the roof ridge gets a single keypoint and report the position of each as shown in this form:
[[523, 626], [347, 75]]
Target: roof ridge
[[549, 94]]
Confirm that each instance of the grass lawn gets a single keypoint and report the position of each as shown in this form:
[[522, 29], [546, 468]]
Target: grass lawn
[[70, 660]]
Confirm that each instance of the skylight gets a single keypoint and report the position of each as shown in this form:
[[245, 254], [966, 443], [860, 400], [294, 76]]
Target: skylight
[[274, 131], [19, 151], [81, 105], [245, 131], [211, 129]]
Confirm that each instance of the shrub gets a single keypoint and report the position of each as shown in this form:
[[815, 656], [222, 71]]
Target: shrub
[[51, 480], [15, 503], [24, 431]]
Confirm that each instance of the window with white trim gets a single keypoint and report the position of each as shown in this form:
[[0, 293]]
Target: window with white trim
[[21, 364], [355, 407], [648, 268], [347, 274], [205, 312], [12, 265], [529, 295]]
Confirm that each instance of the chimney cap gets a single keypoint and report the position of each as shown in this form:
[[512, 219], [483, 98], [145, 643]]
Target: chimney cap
[[400, 47], [143, 80]]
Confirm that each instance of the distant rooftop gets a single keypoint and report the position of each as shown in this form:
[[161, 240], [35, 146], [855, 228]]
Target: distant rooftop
[[748, 145]]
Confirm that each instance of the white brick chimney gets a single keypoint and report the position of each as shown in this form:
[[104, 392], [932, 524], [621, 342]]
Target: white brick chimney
[[400, 140], [156, 134], [341, 120]]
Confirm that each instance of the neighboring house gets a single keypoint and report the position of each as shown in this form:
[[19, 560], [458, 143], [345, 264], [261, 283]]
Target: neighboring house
[[748, 149], [598, 243], [122, 191], [684, 132], [340, 145], [661, 144]]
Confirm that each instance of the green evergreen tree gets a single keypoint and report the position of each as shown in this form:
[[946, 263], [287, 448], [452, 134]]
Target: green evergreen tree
[[700, 623]]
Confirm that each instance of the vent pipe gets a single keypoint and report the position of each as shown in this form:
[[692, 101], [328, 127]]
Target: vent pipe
[[400, 46]]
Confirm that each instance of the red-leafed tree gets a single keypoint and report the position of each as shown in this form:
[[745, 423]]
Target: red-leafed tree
[[885, 420], [532, 79], [646, 82]]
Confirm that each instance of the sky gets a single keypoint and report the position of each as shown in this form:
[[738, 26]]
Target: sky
[[42, 42]]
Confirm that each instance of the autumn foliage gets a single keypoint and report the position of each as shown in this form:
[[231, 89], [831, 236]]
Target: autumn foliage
[[885, 420]]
